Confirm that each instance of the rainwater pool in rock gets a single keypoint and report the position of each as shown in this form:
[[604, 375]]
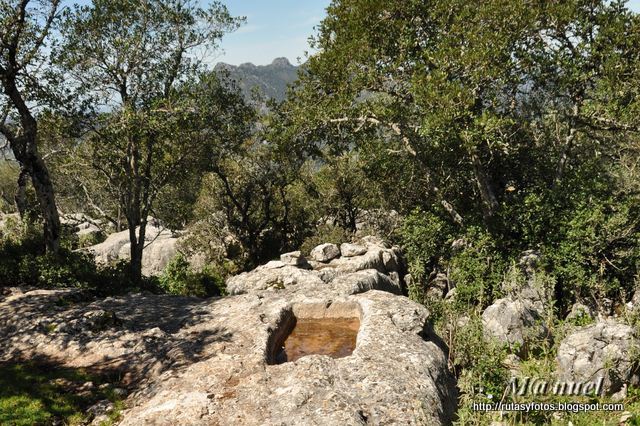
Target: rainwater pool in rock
[[335, 337]]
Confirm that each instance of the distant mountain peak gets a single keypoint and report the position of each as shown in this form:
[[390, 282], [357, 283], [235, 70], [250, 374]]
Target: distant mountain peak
[[281, 62], [272, 80]]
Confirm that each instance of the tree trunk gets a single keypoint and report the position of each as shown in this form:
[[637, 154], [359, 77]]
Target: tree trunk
[[44, 191], [137, 249], [25, 150], [564, 157], [21, 194], [33, 165], [487, 194]]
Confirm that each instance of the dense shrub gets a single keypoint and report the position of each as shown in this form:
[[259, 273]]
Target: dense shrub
[[23, 262], [325, 234], [178, 279]]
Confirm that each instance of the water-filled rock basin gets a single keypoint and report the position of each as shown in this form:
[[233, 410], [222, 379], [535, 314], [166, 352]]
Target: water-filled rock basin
[[330, 330]]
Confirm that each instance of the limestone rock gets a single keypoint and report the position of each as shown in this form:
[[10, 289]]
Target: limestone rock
[[514, 323], [372, 385], [438, 287], [350, 250], [192, 361], [361, 281], [294, 258], [606, 349], [579, 312], [325, 252], [160, 249], [381, 259], [269, 276], [536, 293], [529, 261]]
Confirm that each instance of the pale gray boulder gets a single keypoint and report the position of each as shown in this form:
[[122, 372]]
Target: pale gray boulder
[[350, 250], [294, 258], [161, 247], [607, 349], [325, 252], [515, 324]]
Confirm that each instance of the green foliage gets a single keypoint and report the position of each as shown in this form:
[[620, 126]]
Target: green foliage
[[512, 140], [343, 189], [424, 236], [167, 117], [33, 394], [255, 196], [477, 269], [476, 360], [24, 262], [326, 234], [475, 265], [9, 172], [598, 254], [178, 279]]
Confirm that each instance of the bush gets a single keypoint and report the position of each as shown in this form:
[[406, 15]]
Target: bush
[[24, 263], [476, 361], [178, 279], [325, 234], [424, 238], [476, 266], [477, 269]]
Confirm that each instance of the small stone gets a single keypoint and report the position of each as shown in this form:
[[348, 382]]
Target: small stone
[[119, 392], [620, 395], [100, 420], [274, 264], [86, 386], [512, 362], [580, 312], [325, 252], [626, 416], [451, 294], [101, 407], [294, 258]]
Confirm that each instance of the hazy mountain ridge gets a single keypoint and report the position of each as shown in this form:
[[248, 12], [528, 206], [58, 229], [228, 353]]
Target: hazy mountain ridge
[[272, 80]]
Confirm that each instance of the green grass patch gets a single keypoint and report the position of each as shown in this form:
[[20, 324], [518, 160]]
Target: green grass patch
[[44, 394]]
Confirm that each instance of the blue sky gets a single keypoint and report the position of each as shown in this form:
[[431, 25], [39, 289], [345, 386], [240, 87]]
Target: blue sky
[[276, 28]]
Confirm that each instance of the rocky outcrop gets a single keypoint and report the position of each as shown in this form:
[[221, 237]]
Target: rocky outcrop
[[517, 319], [606, 349], [350, 250], [377, 268], [513, 323], [294, 258], [396, 374], [160, 249], [215, 361], [528, 286], [579, 313]]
